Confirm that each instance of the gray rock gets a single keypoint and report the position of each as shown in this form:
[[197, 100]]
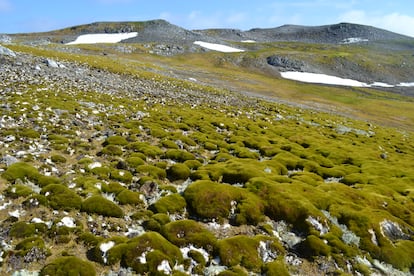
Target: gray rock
[[5, 38], [285, 63], [9, 160], [6, 52], [51, 63]]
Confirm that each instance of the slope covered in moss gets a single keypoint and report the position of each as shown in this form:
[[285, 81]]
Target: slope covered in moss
[[179, 178]]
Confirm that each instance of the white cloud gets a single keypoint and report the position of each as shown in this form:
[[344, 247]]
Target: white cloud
[[5, 5], [395, 22]]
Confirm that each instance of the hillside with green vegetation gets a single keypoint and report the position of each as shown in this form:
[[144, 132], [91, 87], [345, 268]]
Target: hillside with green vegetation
[[122, 160]]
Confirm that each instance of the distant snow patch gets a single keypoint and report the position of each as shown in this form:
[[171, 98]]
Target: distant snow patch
[[248, 41], [381, 84], [218, 47], [102, 38], [333, 80], [321, 78], [354, 40], [406, 84]]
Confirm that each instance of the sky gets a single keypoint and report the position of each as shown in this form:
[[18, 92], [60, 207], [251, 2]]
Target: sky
[[17, 16]]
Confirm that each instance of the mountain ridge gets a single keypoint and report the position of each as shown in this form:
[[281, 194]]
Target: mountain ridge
[[162, 30]]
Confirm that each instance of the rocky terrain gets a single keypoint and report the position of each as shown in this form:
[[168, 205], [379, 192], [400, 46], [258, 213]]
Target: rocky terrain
[[135, 159]]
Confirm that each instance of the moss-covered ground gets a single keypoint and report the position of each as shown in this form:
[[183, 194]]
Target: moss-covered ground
[[94, 174]]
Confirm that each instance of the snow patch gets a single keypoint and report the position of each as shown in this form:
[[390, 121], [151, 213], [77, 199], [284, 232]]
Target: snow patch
[[102, 38], [165, 267], [321, 78], [218, 47], [104, 247], [248, 41], [186, 250], [68, 222], [333, 80], [351, 40], [15, 214], [406, 84], [94, 165]]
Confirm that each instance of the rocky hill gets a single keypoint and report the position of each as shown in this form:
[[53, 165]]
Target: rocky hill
[[133, 159]]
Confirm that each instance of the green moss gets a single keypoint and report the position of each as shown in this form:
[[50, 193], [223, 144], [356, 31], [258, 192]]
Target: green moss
[[116, 140], [56, 158], [29, 133], [115, 254], [20, 170], [162, 218], [169, 204], [61, 197], [152, 225], [112, 150], [25, 245], [169, 144], [89, 239], [240, 250], [69, 265], [212, 200], [129, 197], [312, 247], [164, 250], [186, 232], [179, 155], [178, 171], [18, 190], [277, 267], [134, 161], [44, 180], [101, 206], [145, 148], [121, 175], [193, 164], [153, 171], [112, 187], [22, 229]]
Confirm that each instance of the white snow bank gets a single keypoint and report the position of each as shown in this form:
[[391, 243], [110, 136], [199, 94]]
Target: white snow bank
[[102, 38], [248, 41], [406, 84], [333, 80], [354, 40], [321, 78], [218, 47]]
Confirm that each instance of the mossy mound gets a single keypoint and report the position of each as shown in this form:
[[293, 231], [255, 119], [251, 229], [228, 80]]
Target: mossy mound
[[101, 206], [144, 253], [179, 155], [178, 171], [129, 197], [18, 190], [169, 204], [244, 251], [186, 232], [20, 170], [61, 197], [212, 200], [68, 265]]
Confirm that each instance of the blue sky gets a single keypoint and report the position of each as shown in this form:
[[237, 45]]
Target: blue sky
[[36, 15]]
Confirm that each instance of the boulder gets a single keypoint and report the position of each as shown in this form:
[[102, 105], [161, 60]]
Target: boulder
[[6, 52]]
